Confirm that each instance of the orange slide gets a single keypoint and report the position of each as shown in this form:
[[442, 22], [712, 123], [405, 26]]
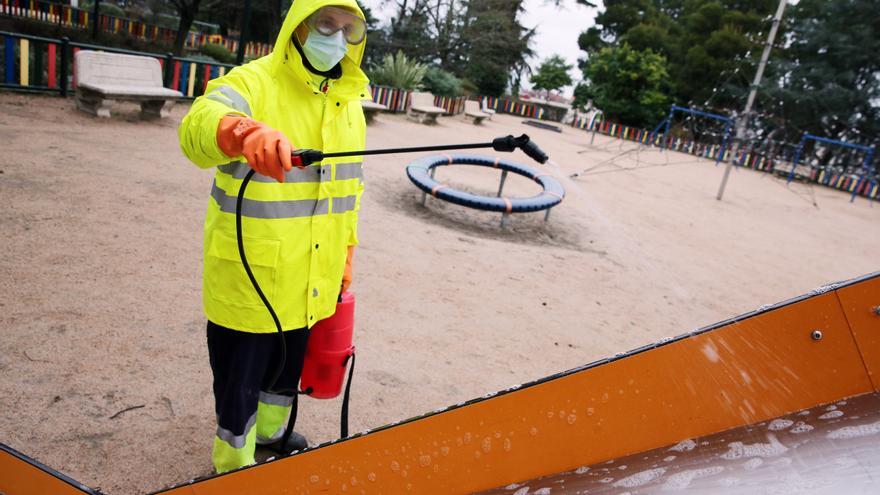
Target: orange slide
[[772, 391]]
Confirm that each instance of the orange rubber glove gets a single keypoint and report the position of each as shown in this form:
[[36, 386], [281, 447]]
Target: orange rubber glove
[[346, 276], [267, 151]]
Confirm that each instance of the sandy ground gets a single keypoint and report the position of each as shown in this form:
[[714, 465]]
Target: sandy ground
[[100, 279]]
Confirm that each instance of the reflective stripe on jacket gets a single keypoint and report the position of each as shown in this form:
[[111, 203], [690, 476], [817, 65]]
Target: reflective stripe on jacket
[[296, 233]]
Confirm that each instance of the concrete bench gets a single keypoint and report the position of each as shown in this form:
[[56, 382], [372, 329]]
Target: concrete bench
[[371, 108], [103, 78], [422, 109], [484, 107], [472, 111]]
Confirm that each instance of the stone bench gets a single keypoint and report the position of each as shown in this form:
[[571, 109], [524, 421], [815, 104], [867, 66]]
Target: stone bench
[[103, 78], [422, 109], [371, 108], [472, 111], [484, 107]]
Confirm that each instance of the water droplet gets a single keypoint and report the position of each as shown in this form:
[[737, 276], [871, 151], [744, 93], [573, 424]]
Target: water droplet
[[404, 473], [354, 481], [801, 427], [436, 468], [409, 486], [314, 478], [549, 414], [582, 470], [590, 411], [572, 418], [497, 434], [395, 466], [467, 437], [444, 450], [831, 414], [779, 424], [533, 431], [371, 476], [561, 414], [507, 445], [424, 460], [344, 487], [486, 445], [477, 454], [459, 442]]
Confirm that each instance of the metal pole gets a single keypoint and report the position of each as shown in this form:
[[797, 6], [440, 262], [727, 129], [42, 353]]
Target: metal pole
[[244, 32], [501, 185], [866, 167], [424, 194], [743, 121]]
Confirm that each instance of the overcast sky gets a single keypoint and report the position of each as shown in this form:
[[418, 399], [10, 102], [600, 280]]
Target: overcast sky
[[558, 27]]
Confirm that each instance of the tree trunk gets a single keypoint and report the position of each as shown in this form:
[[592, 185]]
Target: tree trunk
[[186, 20]]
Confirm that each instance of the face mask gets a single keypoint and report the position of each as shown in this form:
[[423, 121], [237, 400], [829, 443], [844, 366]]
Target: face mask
[[324, 52]]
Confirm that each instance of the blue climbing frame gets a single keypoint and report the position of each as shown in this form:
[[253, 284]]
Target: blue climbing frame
[[665, 124], [866, 164]]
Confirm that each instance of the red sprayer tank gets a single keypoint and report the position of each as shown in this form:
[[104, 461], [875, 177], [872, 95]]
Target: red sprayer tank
[[328, 351]]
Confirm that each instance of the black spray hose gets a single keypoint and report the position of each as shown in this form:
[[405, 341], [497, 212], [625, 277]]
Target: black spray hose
[[305, 157]]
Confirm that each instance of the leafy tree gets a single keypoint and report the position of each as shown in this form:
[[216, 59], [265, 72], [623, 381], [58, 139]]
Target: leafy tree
[[709, 45], [827, 81], [497, 45], [552, 74], [628, 85]]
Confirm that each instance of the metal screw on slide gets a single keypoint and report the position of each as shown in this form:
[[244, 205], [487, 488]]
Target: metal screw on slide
[[816, 335]]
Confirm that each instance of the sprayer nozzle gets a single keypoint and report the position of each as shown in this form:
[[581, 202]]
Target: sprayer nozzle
[[523, 142], [531, 149]]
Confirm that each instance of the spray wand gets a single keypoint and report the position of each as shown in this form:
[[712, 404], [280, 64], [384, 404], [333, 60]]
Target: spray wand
[[306, 157]]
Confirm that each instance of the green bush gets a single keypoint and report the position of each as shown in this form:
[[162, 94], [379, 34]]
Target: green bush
[[441, 83], [105, 8], [398, 71], [218, 52]]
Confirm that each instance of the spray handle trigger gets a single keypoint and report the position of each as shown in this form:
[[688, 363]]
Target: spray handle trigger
[[506, 143], [305, 157]]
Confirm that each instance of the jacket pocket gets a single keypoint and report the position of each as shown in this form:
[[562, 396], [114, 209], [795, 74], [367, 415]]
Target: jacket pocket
[[225, 276]]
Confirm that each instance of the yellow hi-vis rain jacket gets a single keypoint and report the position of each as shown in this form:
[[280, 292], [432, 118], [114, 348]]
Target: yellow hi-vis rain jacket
[[296, 233]]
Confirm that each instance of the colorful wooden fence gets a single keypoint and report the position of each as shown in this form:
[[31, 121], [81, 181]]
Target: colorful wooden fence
[[503, 105], [68, 16], [760, 160], [33, 63], [396, 99], [453, 105]]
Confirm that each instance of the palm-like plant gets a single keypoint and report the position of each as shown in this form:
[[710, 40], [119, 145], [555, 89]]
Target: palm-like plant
[[398, 71]]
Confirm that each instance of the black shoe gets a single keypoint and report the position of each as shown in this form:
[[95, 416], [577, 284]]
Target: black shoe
[[294, 443]]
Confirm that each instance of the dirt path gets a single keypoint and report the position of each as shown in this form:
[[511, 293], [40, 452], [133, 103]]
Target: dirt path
[[100, 279]]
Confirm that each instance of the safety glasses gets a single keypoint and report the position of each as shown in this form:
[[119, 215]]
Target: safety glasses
[[329, 20]]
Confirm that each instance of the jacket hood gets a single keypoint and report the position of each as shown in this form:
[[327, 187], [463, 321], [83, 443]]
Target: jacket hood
[[299, 10]]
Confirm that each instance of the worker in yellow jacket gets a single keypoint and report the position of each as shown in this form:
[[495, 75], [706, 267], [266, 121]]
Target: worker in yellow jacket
[[299, 224]]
